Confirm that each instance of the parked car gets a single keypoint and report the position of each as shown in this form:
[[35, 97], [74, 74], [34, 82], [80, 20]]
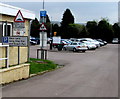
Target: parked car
[[37, 40], [76, 46], [33, 41], [90, 45], [115, 41], [90, 40], [100, 40]]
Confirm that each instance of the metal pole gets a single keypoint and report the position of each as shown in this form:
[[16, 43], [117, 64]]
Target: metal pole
[[51, 35], [18, 55], [42, 38], [29, 41], [8, 57], [43, 4], [42, 50]]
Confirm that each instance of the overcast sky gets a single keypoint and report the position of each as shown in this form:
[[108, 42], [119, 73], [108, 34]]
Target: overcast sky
[[82, 11]]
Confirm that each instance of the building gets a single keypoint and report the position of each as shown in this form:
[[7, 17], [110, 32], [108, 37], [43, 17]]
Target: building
[[7, 16]]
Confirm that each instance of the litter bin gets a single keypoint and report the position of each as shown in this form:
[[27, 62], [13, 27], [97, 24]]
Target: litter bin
[[60, 46]]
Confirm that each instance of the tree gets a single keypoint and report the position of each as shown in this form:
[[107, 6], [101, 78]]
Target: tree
[[67, 19], [116, 30], [105, 30], [35, 28], [92, 29], [48, 25], [47, 19], [73, 31], [56, 28], [76, 31]]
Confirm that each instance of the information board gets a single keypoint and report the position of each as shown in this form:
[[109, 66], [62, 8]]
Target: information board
[[15, 41], [18, 29]]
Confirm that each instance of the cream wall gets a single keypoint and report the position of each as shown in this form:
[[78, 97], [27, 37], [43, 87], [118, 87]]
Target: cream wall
[[13, 51], [14, 73]]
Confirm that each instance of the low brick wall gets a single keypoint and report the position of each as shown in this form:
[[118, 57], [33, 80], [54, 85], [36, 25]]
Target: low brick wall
[[14, 73]]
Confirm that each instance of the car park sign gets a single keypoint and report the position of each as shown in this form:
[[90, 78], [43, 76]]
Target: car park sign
[[43, 13], [15, 41], [5, 40]]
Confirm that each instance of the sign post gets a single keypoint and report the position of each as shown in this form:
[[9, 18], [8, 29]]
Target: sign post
[[43, 34], [19, 29]]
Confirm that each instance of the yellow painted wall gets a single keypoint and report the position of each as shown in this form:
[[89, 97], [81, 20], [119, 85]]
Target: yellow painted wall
[[14, 73], [13, 52], [2, 55]]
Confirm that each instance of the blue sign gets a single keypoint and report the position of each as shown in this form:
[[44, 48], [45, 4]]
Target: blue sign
[[5, 40], [43, 13]]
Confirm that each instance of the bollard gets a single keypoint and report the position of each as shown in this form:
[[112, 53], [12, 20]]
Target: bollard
[[43, 54]]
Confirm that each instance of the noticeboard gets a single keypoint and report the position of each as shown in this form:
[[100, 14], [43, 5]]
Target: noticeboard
[[15, 41], [18, 29]]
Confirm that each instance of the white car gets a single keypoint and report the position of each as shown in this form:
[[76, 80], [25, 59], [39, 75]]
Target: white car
[[90, 45], [115, 41], [76, 46], [91, 40]]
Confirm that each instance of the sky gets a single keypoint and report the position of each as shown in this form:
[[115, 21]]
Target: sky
[[82, 11]]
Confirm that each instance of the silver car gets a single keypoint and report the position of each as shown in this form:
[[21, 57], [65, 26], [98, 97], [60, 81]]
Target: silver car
[[76, 46], [90, 45]]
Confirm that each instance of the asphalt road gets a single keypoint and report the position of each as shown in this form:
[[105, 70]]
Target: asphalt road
[[90, 74]]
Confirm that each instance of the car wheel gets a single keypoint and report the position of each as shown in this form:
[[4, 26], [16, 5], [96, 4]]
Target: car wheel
[[83, 51], [64, 49], [74, 50]]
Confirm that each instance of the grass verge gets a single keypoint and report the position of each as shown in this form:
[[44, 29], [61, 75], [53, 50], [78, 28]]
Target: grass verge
[[38, 65]]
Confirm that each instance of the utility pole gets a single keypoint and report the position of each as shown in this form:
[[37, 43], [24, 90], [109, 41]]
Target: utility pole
[[43, 4], [51, 35]]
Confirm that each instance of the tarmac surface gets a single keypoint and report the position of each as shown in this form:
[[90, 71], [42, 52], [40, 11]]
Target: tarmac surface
[[90, 74]]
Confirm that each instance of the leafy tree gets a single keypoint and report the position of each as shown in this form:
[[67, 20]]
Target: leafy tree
[[35, 28], [76, 31], [84, 33], [56, 28], [73, 31], [47, 19], [67, 19], [48, 25], [92, 29], [116, 30], [105, 30]]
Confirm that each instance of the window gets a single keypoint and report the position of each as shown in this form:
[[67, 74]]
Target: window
[[74, 43], [7, 29]]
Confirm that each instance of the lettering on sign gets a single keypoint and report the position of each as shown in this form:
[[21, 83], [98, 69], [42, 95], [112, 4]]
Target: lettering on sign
[[18, 25], [18, 29], [16, 41]]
